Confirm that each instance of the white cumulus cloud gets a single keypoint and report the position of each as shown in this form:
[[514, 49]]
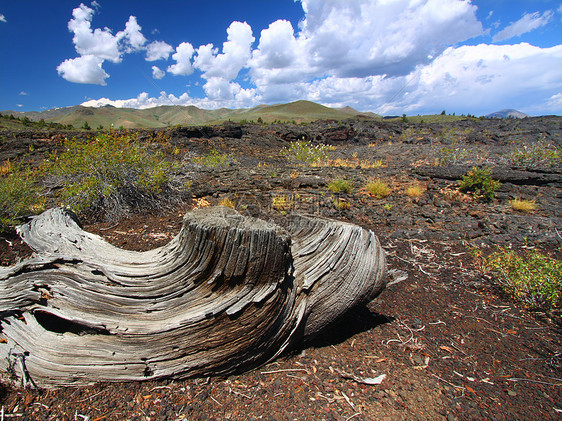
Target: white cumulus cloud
[[554, 103], [97, 45], [364, 38], [387, 56], [484, 78], [219, 89], [157, 73], [236, 52], [182, 56], [98, 42], [158, 50], [132, 35], [360, 39], [83, 69], [528, 23], [279, 57], [3, 18]]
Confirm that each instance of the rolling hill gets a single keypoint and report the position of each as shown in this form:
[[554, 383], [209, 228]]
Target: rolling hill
[[163, 116]]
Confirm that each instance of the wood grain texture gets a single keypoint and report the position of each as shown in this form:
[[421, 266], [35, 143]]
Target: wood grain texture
[[227, 294]]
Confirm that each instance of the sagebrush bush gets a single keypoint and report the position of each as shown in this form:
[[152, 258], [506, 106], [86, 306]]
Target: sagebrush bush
[[453, 155], [480, 183], [532, 278], [305, 152], [111, 175], [19, 197], [340, 185], [541, 154]]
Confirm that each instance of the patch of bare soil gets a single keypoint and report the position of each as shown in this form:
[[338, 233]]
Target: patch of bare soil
[[443, 344]]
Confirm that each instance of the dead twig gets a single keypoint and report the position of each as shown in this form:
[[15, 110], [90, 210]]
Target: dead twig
[[285, 370], [516, 379], [239, 393], [215, 400], [348, 400], [448, 382], [363, 380], [160, 387], [90, 397]]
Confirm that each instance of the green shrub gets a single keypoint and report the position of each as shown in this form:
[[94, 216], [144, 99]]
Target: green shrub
[[305, 152], [534, 278], [111, 175], [340, 185], [479, 182], [19, 196]]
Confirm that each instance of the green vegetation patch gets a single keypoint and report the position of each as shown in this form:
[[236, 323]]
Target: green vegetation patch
[[111, 175], [19, 197], [533, 278], [541, 154], [340, 185], [378, 188], [480, 183], [213, 159], [451, 156]]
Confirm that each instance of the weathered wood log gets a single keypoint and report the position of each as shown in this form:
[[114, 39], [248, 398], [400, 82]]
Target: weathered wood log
[[228, 293]]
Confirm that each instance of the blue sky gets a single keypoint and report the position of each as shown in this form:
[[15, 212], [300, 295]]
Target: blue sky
[[385, 56]]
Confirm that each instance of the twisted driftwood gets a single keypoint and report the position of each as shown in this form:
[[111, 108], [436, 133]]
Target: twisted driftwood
[[228, 293]]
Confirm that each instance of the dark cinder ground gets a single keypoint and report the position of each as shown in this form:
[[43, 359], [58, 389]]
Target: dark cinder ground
[[451, 345]]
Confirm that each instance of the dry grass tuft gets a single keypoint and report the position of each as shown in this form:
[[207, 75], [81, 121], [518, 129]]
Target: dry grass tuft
[[522, 205], [282, 203], [341, 204], [201, 203], [227, 202], [378, 188], [349, 163], [6, 168], [415, 190]]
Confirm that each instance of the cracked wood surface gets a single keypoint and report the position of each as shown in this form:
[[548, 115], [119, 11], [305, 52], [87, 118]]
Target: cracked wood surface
[[227, 294]]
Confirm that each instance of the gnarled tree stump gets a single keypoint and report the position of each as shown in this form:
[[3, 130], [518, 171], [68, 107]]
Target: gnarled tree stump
[[228, 293]]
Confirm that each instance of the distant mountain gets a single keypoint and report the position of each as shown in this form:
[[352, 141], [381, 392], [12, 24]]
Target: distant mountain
[[509, 113], [163, 116], [45, 115]]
